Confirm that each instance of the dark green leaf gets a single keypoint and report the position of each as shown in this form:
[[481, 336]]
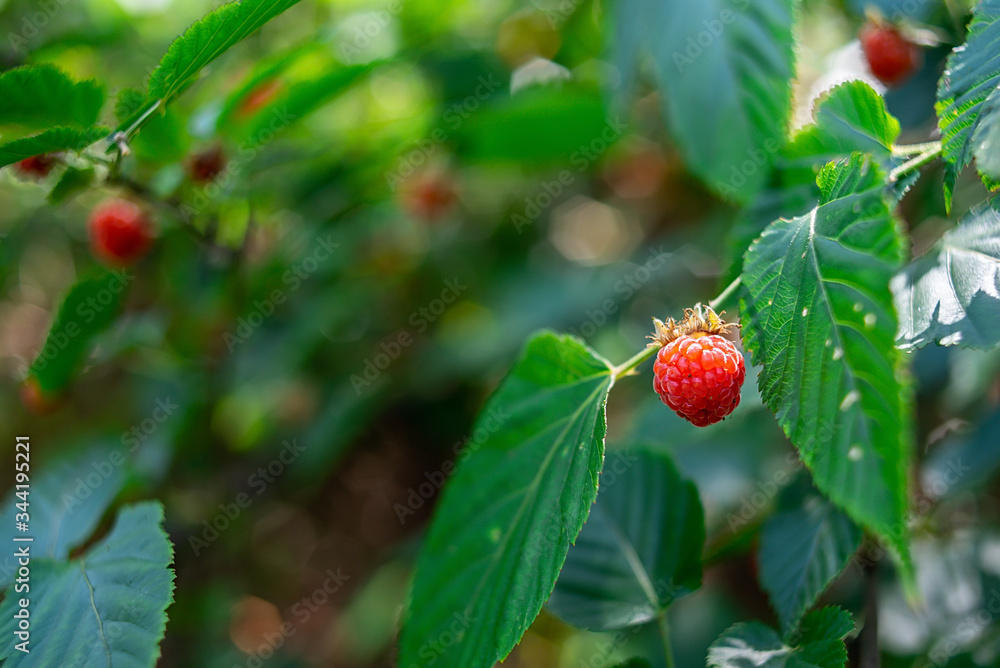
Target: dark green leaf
[[801, 551], [634, 662], [951, 295], [90, 307], [819, 644], [726, 71], [972, 76], [65, 507], [817, 314], [506, 519], [53, 139], [72, 181], [206, 40], [37, 97], [107, 608], [639, 550]]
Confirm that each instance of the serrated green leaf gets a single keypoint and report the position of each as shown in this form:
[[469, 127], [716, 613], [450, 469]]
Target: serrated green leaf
[[53, 139], [73, 180], [951, 295], [107, 608], [820, 644], [37, 97], [640, 549], [817, 315], [847, 118], [506, 519], [972, 75], [89, 307], [206, 40], [726, 71], [64, 506], [801, 551]]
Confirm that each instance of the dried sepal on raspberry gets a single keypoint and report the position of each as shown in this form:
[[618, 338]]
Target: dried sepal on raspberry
[[698, 372]]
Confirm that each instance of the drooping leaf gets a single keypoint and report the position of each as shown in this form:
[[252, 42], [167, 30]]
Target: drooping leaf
[[951, 295], [37, 97], [88, 309], [106, 608], [66, 501], [53, 139], [640, 549], [801, 551], [507, 517], [972, 76], [206, 40], [74, 180], [819, 643], [726, 71], [817, 315]]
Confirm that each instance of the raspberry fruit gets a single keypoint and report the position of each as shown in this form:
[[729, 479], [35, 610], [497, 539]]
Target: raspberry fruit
[[37, 166], [697, 372], [119, 232], [206, 165], [428, 196], [891, 57]]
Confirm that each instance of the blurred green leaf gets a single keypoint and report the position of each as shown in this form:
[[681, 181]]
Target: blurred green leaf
[[108, 607], [53, 139], [971, 79], [206, 40], [725, 70], [38, 97], [951, 294], [67, 499], [801, 551], [819, 644], [73, 180], [640, 549], [817, 314], [90, 307], [635, 662], [506, 519], [538, 127]]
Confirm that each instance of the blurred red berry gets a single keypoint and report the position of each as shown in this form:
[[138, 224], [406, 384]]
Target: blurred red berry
[[891, 57], [34, 398], [259, 96], [428, 196], [37, 166], [206, 165], [119, 232]]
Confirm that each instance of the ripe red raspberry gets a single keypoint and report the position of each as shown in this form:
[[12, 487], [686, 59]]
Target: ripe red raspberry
[[206, 165], [119, 232], [37, 166], [697, 372], [891, 57]]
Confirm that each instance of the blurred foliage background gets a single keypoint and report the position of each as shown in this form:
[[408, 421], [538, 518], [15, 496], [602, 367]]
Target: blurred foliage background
[[410, 189]]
